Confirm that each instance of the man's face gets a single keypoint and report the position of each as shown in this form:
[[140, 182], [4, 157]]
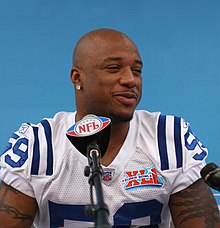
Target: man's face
[[112, 81]]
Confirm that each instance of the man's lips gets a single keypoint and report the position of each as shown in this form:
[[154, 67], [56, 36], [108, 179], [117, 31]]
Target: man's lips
[[126, 98]]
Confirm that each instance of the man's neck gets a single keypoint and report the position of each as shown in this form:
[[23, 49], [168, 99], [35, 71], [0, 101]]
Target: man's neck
[[119, 133]]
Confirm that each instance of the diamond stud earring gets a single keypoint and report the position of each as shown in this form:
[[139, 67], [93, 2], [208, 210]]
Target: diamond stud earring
[[78, 87]]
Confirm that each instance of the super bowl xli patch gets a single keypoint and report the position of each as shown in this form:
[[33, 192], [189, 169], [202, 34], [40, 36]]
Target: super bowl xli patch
[[142, 178]]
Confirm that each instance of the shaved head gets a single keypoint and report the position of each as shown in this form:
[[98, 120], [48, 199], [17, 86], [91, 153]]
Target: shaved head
[[94, 40], [106, 65]]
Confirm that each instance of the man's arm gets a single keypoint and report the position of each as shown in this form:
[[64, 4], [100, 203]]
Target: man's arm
[[194, 206], [16, 209]]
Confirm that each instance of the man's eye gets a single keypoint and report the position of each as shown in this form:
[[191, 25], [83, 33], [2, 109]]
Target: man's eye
[[113, 68], [137, 70]]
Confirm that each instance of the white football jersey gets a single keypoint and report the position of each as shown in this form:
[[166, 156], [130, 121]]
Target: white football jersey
[[159, 157]]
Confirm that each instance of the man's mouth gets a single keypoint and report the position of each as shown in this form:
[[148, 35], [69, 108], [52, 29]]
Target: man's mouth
[[126, 98]]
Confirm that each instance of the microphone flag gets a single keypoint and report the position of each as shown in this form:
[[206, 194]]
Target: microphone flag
[[90, 130]]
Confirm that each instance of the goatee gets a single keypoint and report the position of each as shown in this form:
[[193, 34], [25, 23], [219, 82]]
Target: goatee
[[120, 118]]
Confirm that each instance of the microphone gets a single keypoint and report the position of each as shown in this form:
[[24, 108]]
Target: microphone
[[91, 137], [91, 132], [211, 175]]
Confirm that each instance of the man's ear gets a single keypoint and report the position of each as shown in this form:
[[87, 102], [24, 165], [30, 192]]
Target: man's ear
[[75, 76]]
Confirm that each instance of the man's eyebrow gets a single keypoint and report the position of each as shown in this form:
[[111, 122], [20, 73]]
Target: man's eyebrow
[[116, 58], [139, 62], [112, 58]]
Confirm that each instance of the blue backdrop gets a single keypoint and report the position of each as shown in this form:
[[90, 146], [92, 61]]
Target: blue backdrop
[[179, 42]]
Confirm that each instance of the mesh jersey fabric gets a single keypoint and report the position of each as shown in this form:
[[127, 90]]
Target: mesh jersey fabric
[[160, 156]]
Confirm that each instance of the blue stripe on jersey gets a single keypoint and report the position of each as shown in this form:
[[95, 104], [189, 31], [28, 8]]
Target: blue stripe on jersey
[[161, 135], [48, 134], [36, 153], [14, 136], [177, 140]]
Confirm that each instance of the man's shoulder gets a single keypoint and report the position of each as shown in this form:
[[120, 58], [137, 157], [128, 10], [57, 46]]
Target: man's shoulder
[[62, 116], [144, 118], [145, 114], [60, 119], [152, 114]]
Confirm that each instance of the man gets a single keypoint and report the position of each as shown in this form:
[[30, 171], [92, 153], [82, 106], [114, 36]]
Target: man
[[152, 162]]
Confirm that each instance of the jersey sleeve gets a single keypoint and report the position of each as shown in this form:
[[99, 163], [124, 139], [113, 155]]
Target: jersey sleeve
[[180, 155], [16, 160], [194, 158], [195, 152], [29, 159], [191, 157], [29, 154]]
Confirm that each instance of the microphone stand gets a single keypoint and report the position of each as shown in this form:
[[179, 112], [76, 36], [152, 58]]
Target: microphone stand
[[98, 211]]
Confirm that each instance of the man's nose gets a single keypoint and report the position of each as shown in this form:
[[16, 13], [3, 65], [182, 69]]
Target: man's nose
[[128, 78]]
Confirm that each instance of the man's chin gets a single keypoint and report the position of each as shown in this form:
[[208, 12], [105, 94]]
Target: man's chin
[[119, 117]]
